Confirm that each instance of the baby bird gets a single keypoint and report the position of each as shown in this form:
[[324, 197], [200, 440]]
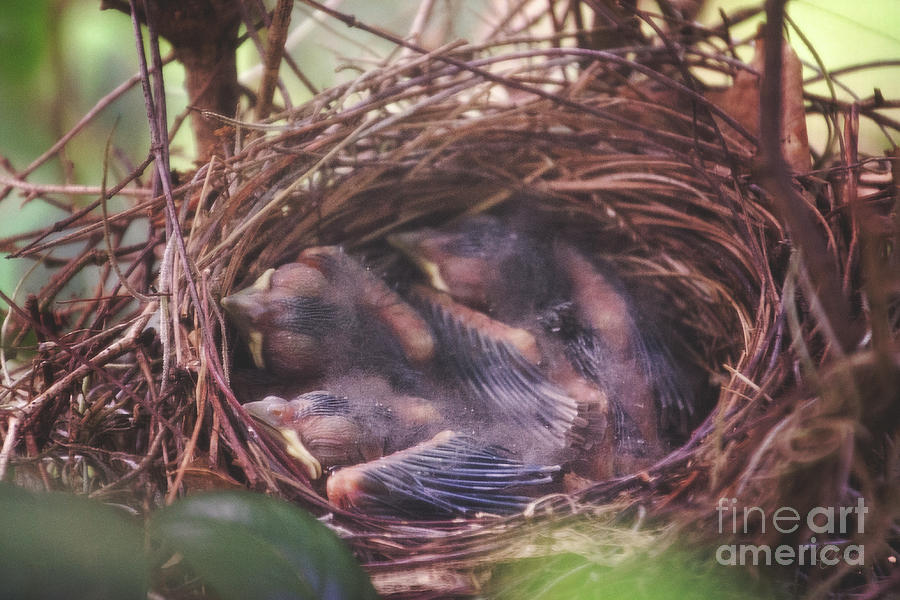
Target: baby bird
[[497, 369], [358, 419], [551, 290], [380, 460], [603, 341], [318, 430], [326, 313], [483, 263]]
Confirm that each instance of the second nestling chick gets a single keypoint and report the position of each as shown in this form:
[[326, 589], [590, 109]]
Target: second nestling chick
[[484, 263], [497, 369], [325, 314], [382, 457], [604, 343], [348, 424], [318, 430]]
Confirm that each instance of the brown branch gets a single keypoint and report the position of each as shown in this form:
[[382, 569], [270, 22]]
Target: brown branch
[[274, 51], [793, 210], [203, 34]]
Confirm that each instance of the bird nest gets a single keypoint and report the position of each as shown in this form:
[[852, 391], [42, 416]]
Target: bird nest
[[780, 298]]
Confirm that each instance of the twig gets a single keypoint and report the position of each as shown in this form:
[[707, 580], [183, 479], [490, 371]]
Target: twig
[[117, 348], [68, 189], [274, 51], [8, 443]]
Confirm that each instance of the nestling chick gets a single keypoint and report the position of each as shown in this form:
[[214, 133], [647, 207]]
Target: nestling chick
[[603, 341], [483, 263], [326, 313], [363, 421], [284, 318], [318, 430], [566, 302], [496, 367], [377, 300], [387, 467]]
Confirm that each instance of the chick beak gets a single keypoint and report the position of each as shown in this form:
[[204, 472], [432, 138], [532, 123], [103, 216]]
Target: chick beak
[[296, 449], [413, 244], [244, 309], [274, 412], [243, 306]]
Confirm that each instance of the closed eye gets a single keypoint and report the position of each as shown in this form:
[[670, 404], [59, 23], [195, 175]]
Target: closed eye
[[306, 315]]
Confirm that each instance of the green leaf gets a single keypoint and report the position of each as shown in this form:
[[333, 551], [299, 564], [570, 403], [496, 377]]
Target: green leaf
[[245, 545], [675, 575], [64, 546]]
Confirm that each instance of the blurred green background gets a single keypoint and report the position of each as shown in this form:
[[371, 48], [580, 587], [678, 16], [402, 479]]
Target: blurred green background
[[61, 56]]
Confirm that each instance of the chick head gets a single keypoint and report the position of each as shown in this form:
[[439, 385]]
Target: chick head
[[286, 316]]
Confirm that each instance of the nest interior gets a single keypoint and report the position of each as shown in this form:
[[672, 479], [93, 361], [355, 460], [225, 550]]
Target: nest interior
[[623, 150]]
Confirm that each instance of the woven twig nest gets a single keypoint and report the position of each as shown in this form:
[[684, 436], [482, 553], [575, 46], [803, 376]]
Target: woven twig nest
[[612, 147]]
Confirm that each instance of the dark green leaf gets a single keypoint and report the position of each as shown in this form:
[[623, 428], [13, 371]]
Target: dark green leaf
[[245, 545], [65, 546]]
